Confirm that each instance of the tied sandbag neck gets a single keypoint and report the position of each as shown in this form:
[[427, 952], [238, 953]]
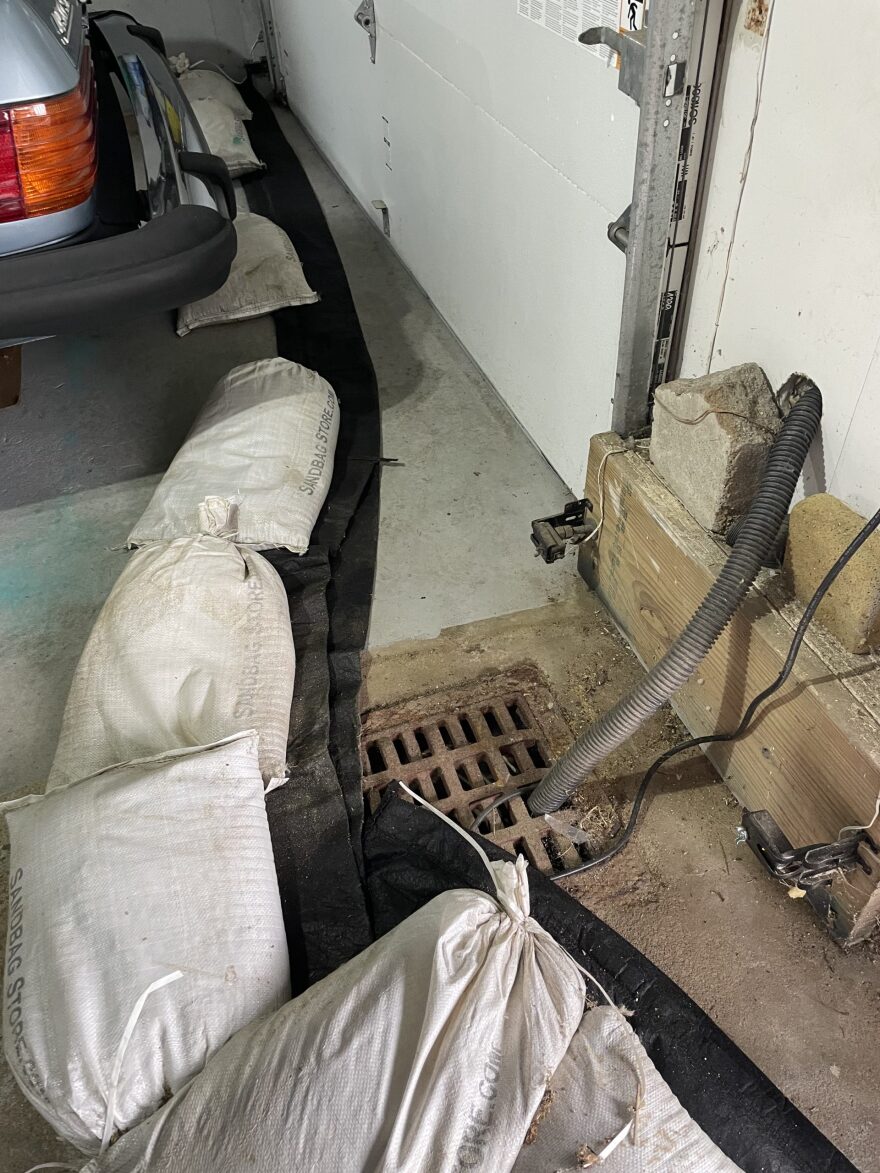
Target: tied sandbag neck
[[218, 517], [520, 912], [756, 537]]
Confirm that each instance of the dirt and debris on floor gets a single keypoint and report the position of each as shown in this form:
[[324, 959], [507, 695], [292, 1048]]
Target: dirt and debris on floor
[[684, 892], [540, 1116]]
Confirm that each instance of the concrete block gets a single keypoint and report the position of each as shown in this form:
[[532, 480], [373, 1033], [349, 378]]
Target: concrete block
[[710, 441], [820, 528]]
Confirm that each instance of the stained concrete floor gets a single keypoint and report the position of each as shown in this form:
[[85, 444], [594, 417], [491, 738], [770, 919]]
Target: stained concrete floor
[[458, 594], [457, 510]]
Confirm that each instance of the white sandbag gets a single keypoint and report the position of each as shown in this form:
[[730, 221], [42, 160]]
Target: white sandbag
[[192, 644], [266, 275], [226, 136], [256, 466], [208, 83], [591, 1099], [145, 929], [428, 1053]]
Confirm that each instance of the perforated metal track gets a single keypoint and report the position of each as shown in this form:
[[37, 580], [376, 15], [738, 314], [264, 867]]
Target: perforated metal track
[[459, 757]]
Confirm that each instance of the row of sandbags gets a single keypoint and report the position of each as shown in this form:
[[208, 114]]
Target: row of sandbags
[[456, 1042], [266, 274], [145, 918], [146, 924], [147, 978], [221, 112], [147, 997], [194, 641]]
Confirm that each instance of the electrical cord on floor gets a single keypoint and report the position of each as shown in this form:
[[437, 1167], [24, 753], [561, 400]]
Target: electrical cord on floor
[[505, 796], [712, 738]]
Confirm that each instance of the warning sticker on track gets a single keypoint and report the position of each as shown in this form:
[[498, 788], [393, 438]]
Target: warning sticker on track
[[632, 15]]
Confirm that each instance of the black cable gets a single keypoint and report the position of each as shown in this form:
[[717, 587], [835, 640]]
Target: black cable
[[505, 796], [713, 738]]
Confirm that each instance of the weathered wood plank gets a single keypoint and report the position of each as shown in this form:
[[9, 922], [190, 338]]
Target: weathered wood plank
[[812, 758]]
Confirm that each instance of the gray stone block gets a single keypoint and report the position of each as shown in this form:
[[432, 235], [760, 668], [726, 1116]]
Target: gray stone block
[[710, 441]]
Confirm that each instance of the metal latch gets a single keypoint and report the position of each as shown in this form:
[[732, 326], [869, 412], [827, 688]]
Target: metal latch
[[551, 535], [630, 48], [366, 18], [800, 866]]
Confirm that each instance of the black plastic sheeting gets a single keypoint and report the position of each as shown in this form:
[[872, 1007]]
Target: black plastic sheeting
[[412, 856], [316, 819], [407, 856]]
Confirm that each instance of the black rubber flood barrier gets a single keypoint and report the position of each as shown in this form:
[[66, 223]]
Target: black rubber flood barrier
[[340, 888], [316, 819]]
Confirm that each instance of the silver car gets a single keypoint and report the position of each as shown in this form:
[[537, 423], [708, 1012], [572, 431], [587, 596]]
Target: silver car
[[110, 204]]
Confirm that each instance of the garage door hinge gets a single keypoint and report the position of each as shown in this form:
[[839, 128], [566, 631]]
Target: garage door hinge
[[366, 18]]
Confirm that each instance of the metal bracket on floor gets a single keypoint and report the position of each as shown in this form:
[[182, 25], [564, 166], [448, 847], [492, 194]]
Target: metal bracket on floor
[[552, 535], [802, 867], [366, 18]]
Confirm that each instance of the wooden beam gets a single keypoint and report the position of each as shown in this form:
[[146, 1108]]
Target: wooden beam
[[812, 756]]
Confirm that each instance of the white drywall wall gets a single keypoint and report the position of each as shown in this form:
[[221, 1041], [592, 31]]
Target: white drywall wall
[[510, 151], [802, 287], [223, 30]]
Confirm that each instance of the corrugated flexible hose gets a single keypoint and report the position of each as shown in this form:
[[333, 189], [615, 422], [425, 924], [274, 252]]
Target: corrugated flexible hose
[[756, 537]]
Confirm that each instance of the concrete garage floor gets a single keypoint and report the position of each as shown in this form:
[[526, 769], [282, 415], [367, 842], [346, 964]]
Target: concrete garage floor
[[458, 596]]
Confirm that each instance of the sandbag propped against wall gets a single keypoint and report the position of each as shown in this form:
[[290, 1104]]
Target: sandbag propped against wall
[[226, 136], [209, 83], [256, 466], [145, 930], [266, 275], [427, 1053], [193, 644]]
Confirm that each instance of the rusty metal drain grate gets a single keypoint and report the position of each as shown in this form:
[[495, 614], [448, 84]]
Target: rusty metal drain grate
[[459, 756]]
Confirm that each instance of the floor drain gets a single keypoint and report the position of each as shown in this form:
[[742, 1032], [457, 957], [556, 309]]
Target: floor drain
[[458, 751]]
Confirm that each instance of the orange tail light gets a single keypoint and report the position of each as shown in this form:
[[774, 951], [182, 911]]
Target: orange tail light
[[55, 148]]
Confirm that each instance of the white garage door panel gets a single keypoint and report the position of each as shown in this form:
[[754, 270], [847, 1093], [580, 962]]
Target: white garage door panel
[[555, 96], [333, 88], [486, 227], [511, 149]]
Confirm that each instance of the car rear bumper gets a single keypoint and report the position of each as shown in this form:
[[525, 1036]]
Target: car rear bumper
[[178, 258], [114, 270]]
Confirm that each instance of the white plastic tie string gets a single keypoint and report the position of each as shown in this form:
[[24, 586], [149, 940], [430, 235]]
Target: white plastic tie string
[[52, 1165], [122, 1048]]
